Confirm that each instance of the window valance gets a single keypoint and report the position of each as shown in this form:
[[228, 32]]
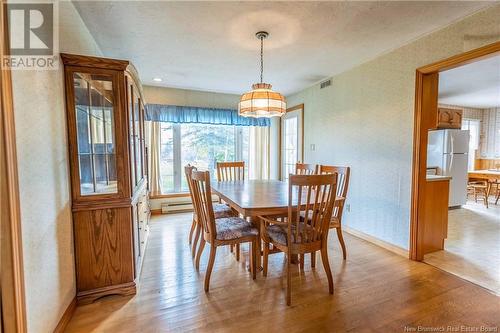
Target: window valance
[[192, 114]]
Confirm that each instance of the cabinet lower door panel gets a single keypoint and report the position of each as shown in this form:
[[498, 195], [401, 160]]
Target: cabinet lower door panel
[[103, 244]]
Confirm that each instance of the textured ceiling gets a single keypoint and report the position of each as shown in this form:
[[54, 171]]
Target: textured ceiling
[[476, 85], [211, 45]]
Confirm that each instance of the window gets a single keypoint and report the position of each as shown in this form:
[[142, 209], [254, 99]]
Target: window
[[291, 140], [201, 145], [473, 126]]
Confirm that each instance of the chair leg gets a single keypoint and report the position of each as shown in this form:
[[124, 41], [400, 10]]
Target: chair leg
[[342, 244], [211, 260], [326, 265], [302, 257], [288, 279], [313, 259], [486, 196], [253, 254], [193, 227], [200, 251], [231, 248], [237, 252], [265, 256], [498, 195], [195, 241]]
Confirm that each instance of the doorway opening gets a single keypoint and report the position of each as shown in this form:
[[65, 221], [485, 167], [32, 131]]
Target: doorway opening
[[455, 223]]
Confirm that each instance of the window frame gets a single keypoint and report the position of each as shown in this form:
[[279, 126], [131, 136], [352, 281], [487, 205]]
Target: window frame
[[178, 168]]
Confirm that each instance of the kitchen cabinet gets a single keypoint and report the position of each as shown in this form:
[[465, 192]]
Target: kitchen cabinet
[[449, 118]]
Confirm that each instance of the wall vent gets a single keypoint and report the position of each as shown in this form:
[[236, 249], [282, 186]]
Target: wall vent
[[325, 84]]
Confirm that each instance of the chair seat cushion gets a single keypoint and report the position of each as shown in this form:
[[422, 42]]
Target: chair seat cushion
[[234, 227], [278, 233], [222, 210]]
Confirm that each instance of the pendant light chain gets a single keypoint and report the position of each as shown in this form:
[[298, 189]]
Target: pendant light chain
[[261, 58]]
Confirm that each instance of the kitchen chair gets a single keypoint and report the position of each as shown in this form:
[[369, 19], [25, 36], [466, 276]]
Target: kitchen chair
[[222, 231], [343, 174], [306, 169], [220, 211], [475, 187], [294, 236], [229, 171]]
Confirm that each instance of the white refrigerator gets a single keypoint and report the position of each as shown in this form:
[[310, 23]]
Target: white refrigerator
[[448, 151]]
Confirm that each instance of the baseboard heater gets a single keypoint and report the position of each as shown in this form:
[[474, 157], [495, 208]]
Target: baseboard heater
[[179, 204]]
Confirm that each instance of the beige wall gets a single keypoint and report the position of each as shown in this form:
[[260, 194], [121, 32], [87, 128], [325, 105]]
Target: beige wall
[[44, 181], [365, 120], [183, 97]]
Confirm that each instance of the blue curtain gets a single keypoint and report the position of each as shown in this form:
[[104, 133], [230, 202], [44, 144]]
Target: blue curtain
[[192, 114]]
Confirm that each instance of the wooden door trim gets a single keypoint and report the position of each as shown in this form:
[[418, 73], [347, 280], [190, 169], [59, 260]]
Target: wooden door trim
[[13, 293], [425, 77], [293, 108]]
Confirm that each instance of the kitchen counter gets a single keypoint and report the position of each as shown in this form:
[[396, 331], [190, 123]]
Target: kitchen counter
[[437, 178]]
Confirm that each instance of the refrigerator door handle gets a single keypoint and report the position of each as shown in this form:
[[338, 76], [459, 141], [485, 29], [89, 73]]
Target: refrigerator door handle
[[452, 141], [451, 162]]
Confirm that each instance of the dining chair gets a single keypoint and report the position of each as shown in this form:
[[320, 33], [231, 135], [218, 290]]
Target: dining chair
[[308, 195], [479, 187], [305, 169], [230, 171], [343, 175], [220, 211], [222, 231]]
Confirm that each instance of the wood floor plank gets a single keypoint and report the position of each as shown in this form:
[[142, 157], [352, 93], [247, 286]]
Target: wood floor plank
[[375, 291]]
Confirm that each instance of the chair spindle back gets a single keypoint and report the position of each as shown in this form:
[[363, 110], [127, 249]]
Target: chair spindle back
[[306, 169], [202, 195], [342, 184], [228, 171], [312, 196]]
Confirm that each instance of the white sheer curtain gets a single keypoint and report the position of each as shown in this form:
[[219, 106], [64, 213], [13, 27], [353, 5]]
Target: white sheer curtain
[[153, 129], [259, 156]]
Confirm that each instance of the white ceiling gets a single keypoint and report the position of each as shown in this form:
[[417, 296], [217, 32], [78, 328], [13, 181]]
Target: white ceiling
[[211, 45], [476, 85]]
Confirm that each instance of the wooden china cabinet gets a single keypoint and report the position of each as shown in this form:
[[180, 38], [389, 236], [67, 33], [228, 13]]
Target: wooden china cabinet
[[105, 114]]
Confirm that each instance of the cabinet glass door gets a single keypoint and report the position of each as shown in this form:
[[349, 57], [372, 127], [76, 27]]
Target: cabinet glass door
[[133, 171], [94, 107], [137, 137]]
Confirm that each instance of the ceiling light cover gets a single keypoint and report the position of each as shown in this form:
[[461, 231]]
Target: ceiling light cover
[[262, 101], [157, 79]]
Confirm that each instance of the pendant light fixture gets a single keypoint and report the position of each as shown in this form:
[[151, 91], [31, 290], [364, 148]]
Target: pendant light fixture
[[262, 101]]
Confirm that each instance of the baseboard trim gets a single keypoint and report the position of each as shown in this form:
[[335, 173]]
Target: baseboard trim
[[388, 246], [66, 317]]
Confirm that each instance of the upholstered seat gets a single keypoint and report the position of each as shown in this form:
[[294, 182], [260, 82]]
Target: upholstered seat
[[278, 233], [222, 211], [233, 228]]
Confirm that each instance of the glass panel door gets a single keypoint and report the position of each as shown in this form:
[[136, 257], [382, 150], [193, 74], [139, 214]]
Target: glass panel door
[[95, 133], [291, 142], [130, 94]]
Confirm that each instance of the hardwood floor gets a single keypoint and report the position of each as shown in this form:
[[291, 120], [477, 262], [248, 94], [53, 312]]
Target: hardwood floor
[[375, 291], [472, 249]]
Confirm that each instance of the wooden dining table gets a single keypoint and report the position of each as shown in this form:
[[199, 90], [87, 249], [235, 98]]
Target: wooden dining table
[[254, 198], [488, 175]]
